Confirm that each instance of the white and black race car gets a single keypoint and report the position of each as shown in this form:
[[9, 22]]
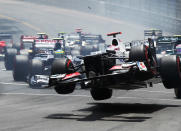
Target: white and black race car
[[35, 67], [137, 68]]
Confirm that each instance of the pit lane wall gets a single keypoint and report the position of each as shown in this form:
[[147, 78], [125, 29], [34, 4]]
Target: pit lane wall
[[161, 14]]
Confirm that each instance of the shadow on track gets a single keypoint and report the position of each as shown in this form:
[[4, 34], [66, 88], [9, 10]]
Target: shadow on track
[[113, 112]]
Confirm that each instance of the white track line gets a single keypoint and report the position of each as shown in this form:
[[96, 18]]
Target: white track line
[[18, 84], [38, 94], [87, 96], [165, 92], [154, 99]]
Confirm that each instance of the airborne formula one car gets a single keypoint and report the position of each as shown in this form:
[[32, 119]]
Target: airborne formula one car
[[116, 69]]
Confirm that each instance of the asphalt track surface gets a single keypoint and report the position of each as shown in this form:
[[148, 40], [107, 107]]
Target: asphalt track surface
[[26, 109]]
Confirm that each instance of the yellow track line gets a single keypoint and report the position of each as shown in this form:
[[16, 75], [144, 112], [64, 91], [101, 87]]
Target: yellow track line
[[22, 22]]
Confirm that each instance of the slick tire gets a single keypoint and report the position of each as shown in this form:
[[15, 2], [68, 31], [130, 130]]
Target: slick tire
[[138, 53], [62, 66], [20, 68], [101, 93], [9, 58], [170, 71], [64, 89], [36, 67]]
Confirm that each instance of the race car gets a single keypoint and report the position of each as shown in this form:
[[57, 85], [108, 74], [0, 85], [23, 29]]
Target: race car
[[92, 43], [24, 48], [42, 36], [152, 33], [166, 45], [169, 46], [8, 38], [81, 43], [35, 68], [40, 64], [136, 68], [72, 40], [6, 41]]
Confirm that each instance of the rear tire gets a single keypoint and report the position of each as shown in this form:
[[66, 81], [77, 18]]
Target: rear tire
[[9, 58], [36, 67], [101, 93], [64, 89], [63, 66], [170, 71], [96, 92], [20, 68], [138, 53]]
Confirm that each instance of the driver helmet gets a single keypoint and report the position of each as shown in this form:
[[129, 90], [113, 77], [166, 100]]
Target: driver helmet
[[114, 42]]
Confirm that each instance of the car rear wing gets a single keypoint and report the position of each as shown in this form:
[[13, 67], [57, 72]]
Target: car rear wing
[[45, 41], [114, 34], [24, 38], [78, 30]]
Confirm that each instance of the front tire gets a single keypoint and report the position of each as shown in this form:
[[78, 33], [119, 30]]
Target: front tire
[[36, 67], [138, 53], [9, 58], [20, 68], [170, 71], [64, 88], [101, 93], [62, 66]]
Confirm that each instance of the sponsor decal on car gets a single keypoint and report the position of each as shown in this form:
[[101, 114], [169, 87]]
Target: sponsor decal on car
[[141, 66]]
